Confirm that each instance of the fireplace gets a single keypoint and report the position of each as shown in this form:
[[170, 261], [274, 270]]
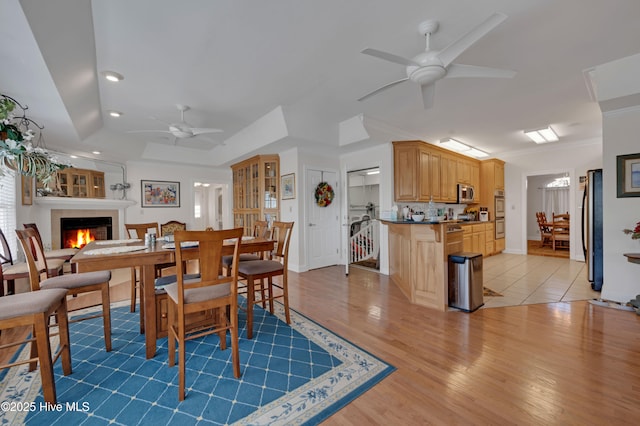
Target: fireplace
[[76, 232]]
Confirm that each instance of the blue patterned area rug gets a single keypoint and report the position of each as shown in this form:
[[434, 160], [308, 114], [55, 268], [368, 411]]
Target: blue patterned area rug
[[298, 374]]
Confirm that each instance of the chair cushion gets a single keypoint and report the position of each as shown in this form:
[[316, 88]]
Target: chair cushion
[[228, 260], [200, 294], [55, 263], [32, 302], [76, 280], [170, 279], [60, 253], [257, 267], [15, 269]]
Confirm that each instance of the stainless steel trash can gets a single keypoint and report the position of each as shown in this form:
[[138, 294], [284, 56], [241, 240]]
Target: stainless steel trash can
[[465, 281]]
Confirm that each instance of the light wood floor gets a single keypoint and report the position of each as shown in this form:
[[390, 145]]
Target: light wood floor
[[539, 364]]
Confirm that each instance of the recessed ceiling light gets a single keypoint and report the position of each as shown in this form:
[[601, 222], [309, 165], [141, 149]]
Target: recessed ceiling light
[[115, 113], [96, 152], [542, 135], [112, 76], [373, 172], [73, 156]]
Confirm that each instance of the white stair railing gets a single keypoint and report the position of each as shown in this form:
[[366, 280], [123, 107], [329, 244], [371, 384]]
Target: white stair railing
[[365, 243]]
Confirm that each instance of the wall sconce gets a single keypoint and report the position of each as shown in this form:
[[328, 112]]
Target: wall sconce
[[542, 135]]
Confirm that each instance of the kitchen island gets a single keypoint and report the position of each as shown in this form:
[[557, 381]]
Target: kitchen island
[[418, 259]]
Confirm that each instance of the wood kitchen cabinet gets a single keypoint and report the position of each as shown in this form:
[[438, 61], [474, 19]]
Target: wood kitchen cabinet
[[422, 171], [255, 191], [479, 238], [492, 180], [77, 183]]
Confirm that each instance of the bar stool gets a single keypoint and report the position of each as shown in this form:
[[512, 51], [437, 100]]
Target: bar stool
[[34, 309]]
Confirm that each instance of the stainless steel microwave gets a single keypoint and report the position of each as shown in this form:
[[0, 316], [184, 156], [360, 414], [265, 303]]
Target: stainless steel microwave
[[466, 194]]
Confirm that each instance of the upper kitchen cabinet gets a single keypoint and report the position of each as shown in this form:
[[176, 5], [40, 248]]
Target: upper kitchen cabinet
[[492, 179], [422, 171]]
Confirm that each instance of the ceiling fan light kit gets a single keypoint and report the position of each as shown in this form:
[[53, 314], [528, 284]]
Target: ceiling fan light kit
[[181, 130], [431, 65], [542, 135]]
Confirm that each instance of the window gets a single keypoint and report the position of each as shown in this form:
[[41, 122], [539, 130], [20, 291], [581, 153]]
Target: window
[[8, 210]]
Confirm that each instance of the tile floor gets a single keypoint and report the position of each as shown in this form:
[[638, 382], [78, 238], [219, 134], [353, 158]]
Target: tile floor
[[524, 280]]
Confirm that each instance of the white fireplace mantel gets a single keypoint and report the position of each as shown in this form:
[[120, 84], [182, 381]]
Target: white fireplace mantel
[[82, 203], [51, 209]]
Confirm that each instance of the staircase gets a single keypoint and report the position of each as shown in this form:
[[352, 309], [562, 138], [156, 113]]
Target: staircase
[[365, 243]]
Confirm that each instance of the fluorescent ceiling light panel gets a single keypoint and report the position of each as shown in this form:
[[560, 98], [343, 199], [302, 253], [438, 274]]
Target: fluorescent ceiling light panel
[[454, 145], [542, 135], [474, 152]]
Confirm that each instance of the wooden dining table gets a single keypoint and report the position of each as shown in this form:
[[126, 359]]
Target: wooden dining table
[[101, 256]]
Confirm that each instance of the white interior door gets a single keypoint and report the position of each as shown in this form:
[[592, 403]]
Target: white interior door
[[323, 223]]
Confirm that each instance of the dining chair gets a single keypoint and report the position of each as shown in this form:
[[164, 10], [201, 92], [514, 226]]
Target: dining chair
[[211, 291], [74, 284], [560, 231], [256, 271], [172, 226], [11, 270], [64, 253], [33, 310], [138, 230], [260, 230], [545, 229]]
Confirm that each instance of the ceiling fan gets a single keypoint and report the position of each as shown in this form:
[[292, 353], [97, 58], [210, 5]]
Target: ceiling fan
[[180, 130], [431, 65]]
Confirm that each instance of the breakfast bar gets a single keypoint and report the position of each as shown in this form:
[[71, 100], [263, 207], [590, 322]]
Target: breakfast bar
[[418, 259]]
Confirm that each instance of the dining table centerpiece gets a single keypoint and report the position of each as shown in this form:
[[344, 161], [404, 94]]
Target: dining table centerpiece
[[17, 152]]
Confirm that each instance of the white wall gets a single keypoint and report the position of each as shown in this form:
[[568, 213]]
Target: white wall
[[621, 283], [290, 209], [559, 157], [186, 175]]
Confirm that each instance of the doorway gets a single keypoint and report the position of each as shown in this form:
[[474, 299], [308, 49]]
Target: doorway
[[209, 205], [363, 206], [323, 220], [549, 194]]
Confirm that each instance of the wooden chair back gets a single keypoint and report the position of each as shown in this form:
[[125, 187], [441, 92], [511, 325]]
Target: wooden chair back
[[137, 230], [5, 256], [560, 230], [34, 254], [281, 233], [172, 226], [208, 255], [541, 217]]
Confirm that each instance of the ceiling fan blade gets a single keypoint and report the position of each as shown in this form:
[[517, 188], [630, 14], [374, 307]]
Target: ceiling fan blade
[[428, 93], [386, 86], [200, 131], [148, 131], [460, 70], [389, 57], [455, 49]]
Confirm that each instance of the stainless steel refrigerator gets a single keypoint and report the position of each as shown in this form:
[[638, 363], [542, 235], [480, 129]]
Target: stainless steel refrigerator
[[592, 227]]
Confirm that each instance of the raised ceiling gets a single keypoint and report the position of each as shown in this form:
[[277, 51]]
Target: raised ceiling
[[281, 73]]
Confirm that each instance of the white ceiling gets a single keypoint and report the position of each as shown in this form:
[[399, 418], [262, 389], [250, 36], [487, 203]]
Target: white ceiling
[[236, 61]]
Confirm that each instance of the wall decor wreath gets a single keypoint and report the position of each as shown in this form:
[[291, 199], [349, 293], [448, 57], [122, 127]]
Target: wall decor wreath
[[324, 194]]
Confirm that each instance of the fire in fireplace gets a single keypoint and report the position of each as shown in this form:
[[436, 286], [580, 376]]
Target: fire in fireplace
[[76, 232]]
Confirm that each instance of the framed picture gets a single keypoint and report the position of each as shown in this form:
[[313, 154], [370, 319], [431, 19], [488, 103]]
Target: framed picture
[[157, 193], [288, 186], [628, 172], [27, 190]]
